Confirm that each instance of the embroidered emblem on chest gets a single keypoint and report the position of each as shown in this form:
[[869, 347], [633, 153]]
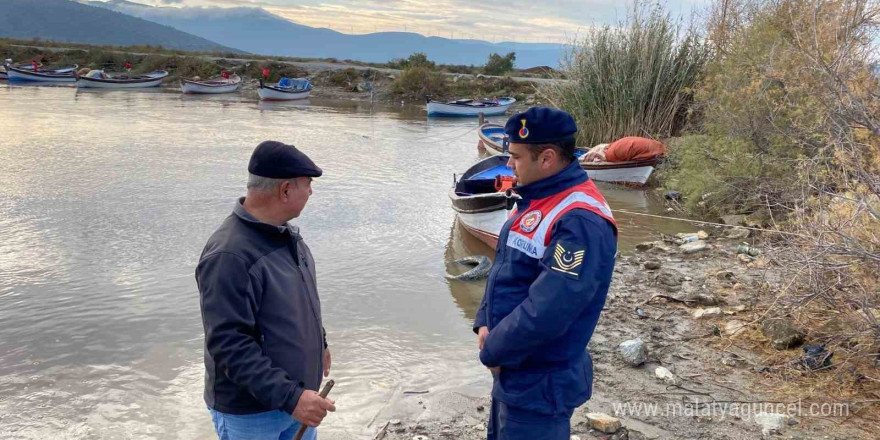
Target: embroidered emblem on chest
[[567, 261], [530, 221]]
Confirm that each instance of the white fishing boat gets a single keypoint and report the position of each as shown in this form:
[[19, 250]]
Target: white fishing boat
[[470, 107], [211, 86], [482, 204], [632, 173], [27, 73], [97, 79], [287, 89]]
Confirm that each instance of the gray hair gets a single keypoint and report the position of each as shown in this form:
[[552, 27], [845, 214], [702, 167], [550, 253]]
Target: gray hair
[[266, 184]]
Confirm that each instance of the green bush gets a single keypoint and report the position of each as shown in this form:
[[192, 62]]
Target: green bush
[[499, 65], [418, 83]]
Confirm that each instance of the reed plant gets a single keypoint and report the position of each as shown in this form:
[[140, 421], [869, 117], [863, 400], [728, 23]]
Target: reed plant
[[633, 79]]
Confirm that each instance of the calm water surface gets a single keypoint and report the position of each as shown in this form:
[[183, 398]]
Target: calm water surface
[[107, 198]]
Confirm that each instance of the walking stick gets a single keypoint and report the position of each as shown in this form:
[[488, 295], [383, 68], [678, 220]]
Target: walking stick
[[324, 392]]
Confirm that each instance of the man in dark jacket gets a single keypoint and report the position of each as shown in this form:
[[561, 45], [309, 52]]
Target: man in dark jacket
[[265, 346], [553, 266]]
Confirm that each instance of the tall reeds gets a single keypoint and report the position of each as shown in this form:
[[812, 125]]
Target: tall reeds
[[634, 79]]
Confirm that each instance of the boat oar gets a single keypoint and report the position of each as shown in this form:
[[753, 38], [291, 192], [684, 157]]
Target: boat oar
[[324, 392]]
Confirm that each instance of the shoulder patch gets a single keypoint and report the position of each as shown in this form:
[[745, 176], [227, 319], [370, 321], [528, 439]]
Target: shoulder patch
[[568, 259]]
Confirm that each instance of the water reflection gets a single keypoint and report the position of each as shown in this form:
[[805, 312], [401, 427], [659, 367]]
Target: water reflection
[[466, 294]]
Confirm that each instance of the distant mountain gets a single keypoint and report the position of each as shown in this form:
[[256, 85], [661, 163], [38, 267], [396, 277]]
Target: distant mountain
[[68, 21], [258, 31]]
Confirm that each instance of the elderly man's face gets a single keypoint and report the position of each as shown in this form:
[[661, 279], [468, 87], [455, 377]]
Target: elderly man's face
[[295, 193]]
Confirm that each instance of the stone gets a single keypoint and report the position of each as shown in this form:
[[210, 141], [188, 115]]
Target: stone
[[734, 220], [711, 312], [652, 265], [743, 258], [703, 299], [725, 275], [603, 422], [782, 333], [702, 235], [574, 437], [646, 246], [730, 361], [738, 234], [666, 375], [395, 422], [420, 437], [734, 327], [735, 309], [694, 247], [633, 352], [771, 423], [672, 195], [759, 218], [479, 427], [669, 277]]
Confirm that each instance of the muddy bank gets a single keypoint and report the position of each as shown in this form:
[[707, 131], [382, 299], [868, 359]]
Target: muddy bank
[[694, 309]]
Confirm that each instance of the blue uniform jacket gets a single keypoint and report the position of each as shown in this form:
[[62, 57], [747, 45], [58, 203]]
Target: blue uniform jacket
[[540, 320]]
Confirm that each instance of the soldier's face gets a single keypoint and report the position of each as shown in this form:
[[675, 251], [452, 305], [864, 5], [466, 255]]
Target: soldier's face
[[526, 168]]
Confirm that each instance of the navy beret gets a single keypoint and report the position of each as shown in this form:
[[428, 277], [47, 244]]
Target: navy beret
[[281, 161], [540, 125]]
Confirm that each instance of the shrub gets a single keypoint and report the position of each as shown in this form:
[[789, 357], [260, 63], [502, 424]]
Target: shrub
[[499, 65]]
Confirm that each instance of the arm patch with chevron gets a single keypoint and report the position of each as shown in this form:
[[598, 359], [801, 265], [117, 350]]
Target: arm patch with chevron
[[568, 258]]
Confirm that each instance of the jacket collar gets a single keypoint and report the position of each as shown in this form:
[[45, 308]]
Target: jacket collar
[[570, 176], [248, 218]]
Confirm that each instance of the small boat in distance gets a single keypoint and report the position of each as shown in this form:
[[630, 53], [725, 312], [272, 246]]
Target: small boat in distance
[[220, 84], [287, 89], [470, 107], [28, 73], [482, 198], [99, 80]]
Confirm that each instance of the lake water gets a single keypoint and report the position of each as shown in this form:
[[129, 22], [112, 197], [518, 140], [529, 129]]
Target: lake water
[[107, 198]]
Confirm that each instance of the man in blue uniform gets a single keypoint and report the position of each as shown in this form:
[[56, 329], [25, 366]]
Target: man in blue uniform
[[553, 266]]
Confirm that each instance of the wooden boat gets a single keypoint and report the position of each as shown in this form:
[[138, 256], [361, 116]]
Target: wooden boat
[[4, 76], [632, 173], [482, 209], [99, 80], [285, 90], [470, 107], [27, 73], [211, 86]]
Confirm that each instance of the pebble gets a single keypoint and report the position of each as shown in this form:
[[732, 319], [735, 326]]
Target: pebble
[[666, 375], [652, 265], [633, 352], [603, 422], [711, 312], [771, 423], [734, 327]]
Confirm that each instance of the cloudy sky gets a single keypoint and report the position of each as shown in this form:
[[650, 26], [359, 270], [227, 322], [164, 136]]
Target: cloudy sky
[[500, 20]]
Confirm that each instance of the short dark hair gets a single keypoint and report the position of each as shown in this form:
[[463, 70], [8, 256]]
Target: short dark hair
[[565, 149]]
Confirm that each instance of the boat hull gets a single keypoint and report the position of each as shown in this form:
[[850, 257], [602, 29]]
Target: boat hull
[[485, 226], [272, 94], [200, 89], [441, 109], [625, 173], [631, 174], [84, 82], [210, 87], [20, 75]]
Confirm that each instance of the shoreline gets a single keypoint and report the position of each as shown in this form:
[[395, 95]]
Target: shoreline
[[655, 295]]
